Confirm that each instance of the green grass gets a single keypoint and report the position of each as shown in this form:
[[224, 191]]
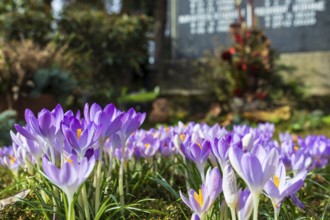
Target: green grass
[[154, 195], [164, 205]]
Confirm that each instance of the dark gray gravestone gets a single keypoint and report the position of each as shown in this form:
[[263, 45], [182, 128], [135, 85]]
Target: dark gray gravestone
[[292, 25]]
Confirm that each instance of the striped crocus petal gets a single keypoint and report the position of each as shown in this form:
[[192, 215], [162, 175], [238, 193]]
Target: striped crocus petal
[[71, 175]]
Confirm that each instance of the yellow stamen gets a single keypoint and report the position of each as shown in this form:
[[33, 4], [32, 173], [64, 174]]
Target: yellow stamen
[[199, 145], [199, 197], [182, 137], [68, 160], [296, 148], [79, 131], [12, 159], [147, 145], [276, 181]]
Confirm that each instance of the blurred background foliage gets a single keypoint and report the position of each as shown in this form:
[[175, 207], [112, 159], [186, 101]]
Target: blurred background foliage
[[88, 53], [248, 70], [84, 53], [30, 19], [114, 47], [84, 45]]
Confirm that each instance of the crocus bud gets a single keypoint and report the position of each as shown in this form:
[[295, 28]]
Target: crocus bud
[[247, 142], [230, 186], [245, 205]]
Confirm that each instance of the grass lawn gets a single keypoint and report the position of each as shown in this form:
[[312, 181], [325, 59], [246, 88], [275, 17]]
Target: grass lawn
[[153, 192]]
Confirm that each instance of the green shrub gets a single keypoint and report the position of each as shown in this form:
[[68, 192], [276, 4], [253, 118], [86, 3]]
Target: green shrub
[[7, 121], [52, 81], [247, 70], [25, 66], [28, 19], [113, 47]]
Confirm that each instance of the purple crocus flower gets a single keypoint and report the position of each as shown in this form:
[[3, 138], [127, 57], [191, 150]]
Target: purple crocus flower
[[221, 145], [220, 151], [21, 143], [109, 120], [255, 169], [182, 133], [46, 125], [279, 187], [198, 152], [131, 122], [200, 202], [242, 130], [23, 158], [70, 176], [115, 146], [80, 135], [167, 147], [8, 159], [300, 162], [318, 147], [44, 130], [147, 146], [288, 147], [179, 139], [214, 132], [263, 135], [245, 204], [265, 131], [128, 153]]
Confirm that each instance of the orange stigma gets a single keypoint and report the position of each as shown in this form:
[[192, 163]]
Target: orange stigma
[[79, 131]]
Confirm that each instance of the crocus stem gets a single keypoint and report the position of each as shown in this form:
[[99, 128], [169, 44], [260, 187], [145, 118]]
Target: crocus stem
[[56, 193], [98, 181], [85, 201], [172, 172], [121, 174], [155, 165], [121, 182], [233, 213], [110, 162], [98, 187], [276, 212], [201, 171], [275, 216], [255, 205], [186, 174], [71, 214], [81, 204]]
